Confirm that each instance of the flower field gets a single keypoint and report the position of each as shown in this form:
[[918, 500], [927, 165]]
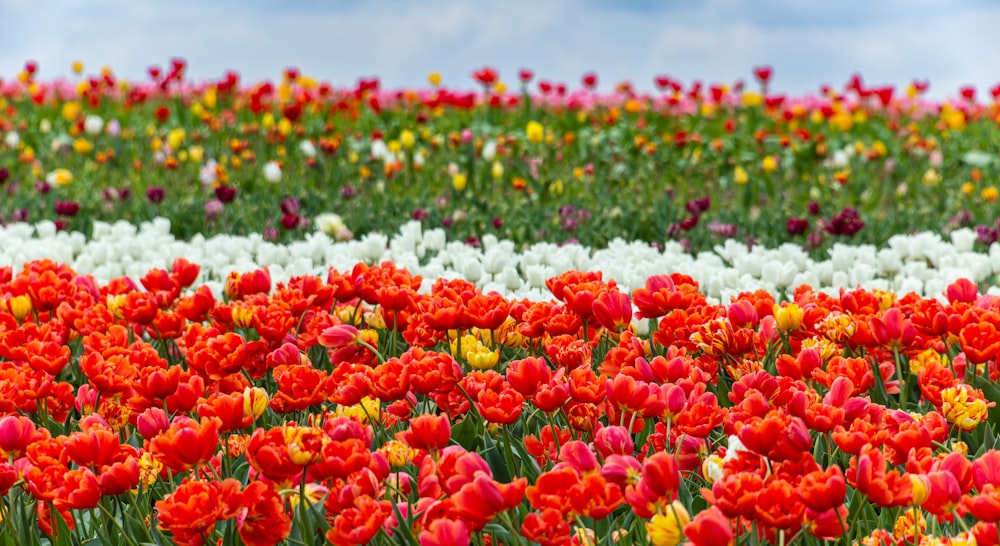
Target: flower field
[[293, 313]]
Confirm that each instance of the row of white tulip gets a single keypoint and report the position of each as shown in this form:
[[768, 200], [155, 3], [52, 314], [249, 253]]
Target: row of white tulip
[[924, 263]]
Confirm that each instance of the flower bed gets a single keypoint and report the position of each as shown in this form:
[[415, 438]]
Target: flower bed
[[291, 313], [695, 163], [355, 408], [922, 263]]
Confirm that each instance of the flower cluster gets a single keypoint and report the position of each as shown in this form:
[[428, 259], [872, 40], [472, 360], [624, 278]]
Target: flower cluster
[[545, 161], [359, 407]]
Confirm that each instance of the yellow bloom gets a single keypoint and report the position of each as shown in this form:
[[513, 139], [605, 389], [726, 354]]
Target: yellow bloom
[[196, 153], [535, 132], [964, 406], [59, 177], [458, 182], [84, 146], [149, 468], [910, 524], [500, 87], [284, 92], [841, 121], [407, 139], [314, 494], [968, 188], [740, 175], [304, 444], [953, 117], [434, 79], [990, 194], [175, 138], [71, 110], [752, 99], [397, 453], [77, 67], [931, 178], [284, 126], [789, 317], [769, 164], [367, 408], [921, 487], [482, 358], [19, 306], [254, 401], [115, 304], [210, 97], [665, 529]]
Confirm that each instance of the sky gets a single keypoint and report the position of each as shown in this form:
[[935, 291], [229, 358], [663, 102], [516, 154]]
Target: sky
[[807, 42]]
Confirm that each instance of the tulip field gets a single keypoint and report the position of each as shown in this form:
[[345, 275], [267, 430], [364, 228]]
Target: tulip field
[[496, 313]]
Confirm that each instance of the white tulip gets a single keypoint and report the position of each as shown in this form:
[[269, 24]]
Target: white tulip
[[93, 124], [328, 223], [272, 172], [307, 148], [489, 152]]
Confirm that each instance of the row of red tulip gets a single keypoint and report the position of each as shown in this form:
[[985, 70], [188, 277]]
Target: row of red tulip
[[362, 407]]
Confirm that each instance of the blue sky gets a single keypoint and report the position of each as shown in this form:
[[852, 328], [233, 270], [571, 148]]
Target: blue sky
[[808, 42]]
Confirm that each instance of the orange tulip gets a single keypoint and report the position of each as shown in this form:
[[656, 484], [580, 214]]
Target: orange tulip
[[613, 310], [664, 293], [119, 477], [429, 432], [502, 408], [359, 523], [229, 408], [736, 494], [239, 286], [821, 490], [187, 443], [548, 528], [95, 448], [528, 374], [480, 500], [80, 490], [709, 528], [266, 521], [444, 532], [551, 490], [193, 509], [980, 342], [595, 497]]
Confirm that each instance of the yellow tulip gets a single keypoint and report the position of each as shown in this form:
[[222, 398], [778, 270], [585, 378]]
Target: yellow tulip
[[535, 132], [740, 175]]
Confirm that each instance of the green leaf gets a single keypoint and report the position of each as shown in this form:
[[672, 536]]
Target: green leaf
[[63, 536], [992, 392], [464, 433], [493, 457]]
